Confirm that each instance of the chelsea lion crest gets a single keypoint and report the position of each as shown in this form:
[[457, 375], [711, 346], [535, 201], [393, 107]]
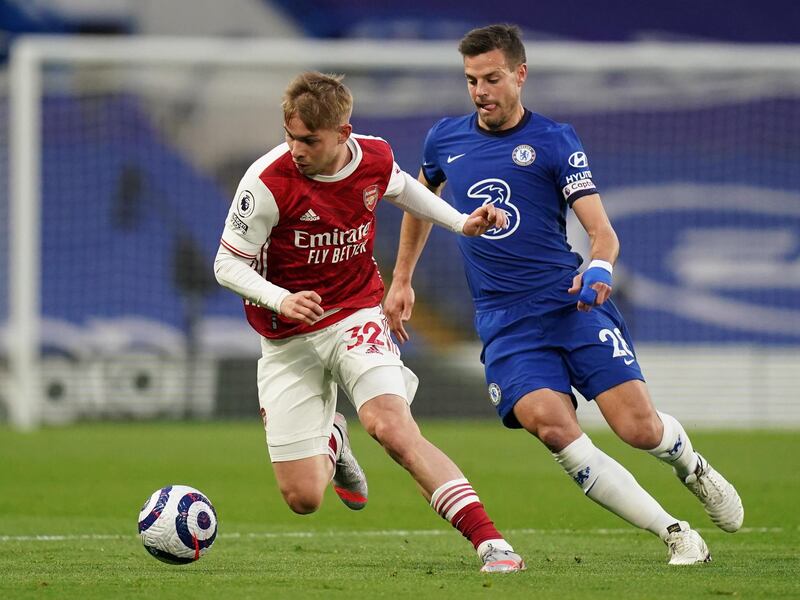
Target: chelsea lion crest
[[523, 155], [495, 395]]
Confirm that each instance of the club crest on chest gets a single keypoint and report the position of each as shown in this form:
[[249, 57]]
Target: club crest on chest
[[371, 195]]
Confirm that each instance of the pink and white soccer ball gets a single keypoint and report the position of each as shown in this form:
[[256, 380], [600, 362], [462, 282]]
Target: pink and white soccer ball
[[177, 524]]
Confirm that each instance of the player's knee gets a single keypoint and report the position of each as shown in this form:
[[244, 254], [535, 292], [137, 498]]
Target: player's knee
[[555, 436], [398, 441], [643, 440], [302, 502], [644, 433], [390, 428], [391, 438], [554, 432]]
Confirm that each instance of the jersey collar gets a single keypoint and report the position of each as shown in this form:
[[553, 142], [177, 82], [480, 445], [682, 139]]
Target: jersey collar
[[349, 168], [506, 132]]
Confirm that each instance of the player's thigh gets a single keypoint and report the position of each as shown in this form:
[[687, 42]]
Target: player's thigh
[[598, 350], [297, 395], [517, 366], [517, 358], [387, 418], [366, 362]]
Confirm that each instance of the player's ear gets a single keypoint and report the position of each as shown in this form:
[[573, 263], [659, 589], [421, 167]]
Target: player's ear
[[522, 73], [344, 132]]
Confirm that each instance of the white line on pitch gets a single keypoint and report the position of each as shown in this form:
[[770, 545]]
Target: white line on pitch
[[365, 533]]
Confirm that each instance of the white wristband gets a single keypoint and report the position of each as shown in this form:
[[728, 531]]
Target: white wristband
[[603, 264]]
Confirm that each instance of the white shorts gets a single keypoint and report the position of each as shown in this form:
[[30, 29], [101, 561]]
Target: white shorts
[[298, 378]]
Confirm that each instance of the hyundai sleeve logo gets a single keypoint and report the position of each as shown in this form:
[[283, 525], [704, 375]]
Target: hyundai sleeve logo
[[578, 160]]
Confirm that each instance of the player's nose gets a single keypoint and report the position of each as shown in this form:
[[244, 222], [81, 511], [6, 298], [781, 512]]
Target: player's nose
[[297, 151]]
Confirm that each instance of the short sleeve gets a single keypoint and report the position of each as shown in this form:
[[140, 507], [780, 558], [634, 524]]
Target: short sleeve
[[430, 157], [397, 181], [252, 216], [572, 167]]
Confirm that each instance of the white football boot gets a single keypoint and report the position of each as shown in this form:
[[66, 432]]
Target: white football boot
[[501, 561], [719, 497], [349, 481], [684, 545]]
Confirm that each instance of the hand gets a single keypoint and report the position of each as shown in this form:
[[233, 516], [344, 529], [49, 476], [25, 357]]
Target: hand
[[594, 286], [397, 307], [302, 306], [483, 219]]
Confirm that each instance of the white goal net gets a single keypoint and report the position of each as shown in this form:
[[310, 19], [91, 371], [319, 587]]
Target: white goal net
[[120, 156]]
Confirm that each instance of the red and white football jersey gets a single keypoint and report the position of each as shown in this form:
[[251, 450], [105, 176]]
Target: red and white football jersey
[[312, 233]]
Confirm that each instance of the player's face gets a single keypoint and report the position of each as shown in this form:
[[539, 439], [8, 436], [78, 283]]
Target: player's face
[[495, 88], [320, 152]]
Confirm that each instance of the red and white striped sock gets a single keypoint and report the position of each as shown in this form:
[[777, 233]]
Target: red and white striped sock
[[458, 503]]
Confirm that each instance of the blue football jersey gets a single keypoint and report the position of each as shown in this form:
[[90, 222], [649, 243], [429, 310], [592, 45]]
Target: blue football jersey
[[533, 171]]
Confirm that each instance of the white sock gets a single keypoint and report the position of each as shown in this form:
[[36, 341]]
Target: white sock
[[675, 448], [335, 444], [500, 544], [609, 484]]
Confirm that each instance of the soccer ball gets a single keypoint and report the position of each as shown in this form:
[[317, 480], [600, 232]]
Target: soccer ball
[[177, 524]]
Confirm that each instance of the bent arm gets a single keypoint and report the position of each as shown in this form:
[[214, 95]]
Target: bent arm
[[237, 274]]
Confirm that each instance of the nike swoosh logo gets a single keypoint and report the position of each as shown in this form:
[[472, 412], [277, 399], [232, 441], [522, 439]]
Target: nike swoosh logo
[[628, 362], [452, 158]]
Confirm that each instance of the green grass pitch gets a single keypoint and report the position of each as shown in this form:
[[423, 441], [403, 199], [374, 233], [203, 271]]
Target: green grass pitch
[[69, 501]]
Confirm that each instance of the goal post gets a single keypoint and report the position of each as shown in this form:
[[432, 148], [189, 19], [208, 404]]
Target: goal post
[[24, 239], [213, 85]]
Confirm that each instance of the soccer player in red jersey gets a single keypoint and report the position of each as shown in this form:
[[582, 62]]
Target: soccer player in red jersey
[[297, 246]]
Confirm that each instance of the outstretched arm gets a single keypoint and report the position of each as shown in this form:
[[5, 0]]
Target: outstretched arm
[[423, 206], [416, 198], [593, 286]]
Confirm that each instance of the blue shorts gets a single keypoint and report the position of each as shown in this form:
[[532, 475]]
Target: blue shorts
[[534, 345]]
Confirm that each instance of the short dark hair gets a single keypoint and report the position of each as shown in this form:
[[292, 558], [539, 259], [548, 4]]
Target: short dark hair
[[505, 37]]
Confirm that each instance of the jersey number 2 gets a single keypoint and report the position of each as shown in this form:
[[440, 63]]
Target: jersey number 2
[[621, 348]]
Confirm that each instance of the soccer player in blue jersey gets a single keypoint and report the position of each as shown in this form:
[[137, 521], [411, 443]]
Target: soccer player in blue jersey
[[546, 327]]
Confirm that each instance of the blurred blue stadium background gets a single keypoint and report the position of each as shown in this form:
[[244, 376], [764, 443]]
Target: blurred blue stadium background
[[704, 197]]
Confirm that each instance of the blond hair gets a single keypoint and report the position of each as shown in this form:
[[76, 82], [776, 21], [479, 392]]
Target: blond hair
[[319, 100]]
